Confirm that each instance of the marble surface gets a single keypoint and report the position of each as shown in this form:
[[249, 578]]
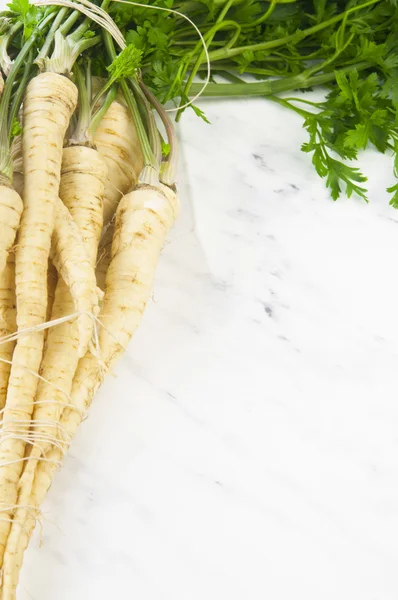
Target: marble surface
[[248, 447]]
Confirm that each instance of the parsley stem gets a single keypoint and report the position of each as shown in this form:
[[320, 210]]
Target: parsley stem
[[208, 39], [154, 137], [220, 24], [70, 21], [50, 36], [79, 32], [80, 135], [263, 18], [284, 102], [102, 91], [168, 173], [270, 87], [101, 112], [17, 100]]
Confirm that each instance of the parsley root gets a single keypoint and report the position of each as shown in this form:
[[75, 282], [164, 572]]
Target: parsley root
[[142, 221], [10, 215], [7, 323], [116, 141], [49, 103]]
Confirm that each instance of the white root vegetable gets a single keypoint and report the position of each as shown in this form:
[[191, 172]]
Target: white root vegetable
[[49, 103], [82, 185], [10, 216], [142, 221], [52, 278], [7, 323], [83, 179], [68, 253], [104, 255], [117, 141], [72, 263], [65, 237]]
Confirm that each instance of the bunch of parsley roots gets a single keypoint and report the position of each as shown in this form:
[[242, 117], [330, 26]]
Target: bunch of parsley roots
[[88, 159]]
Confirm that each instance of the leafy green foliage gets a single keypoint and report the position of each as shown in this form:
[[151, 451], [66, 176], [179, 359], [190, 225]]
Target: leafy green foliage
[[349, 45], [199, 113], [335, 171], [27, 13], [125, 64], [394, 189], [355, 114], [16, 128], [164, 75], [89, 34]]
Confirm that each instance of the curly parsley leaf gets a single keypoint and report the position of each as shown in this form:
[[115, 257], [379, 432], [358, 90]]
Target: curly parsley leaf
[[27, 13], [125, 64]]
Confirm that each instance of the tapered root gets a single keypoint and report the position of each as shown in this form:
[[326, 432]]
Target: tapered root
[[10, 216], [49, 103], [7, 324], [72, 263], [117, 141], [81, 189]]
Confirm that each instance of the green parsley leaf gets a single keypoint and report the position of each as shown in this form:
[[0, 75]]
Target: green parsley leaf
[[16, 128], [165, 149], [27, 14], [199, 113], [394, 191], [125, 64]]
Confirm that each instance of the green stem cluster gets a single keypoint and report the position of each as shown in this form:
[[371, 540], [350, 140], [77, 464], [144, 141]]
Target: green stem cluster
[[67, 49]]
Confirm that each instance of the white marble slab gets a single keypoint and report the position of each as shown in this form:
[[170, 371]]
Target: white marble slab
[[248, 448]]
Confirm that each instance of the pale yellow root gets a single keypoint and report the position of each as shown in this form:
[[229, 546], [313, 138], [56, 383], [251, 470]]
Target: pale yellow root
[[83, 180], [52, 278], [17, 182], [117, 141], [49, 103], [142, 222], [143, 219], [65, 236], [17, 161], [82, 185], [10, 216], [16, 153], [7, 323], [73, 265], [104, 255]]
